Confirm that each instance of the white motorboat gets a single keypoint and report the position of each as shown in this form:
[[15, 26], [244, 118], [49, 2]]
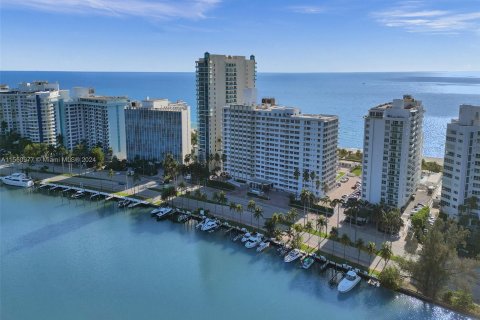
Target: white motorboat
[[155, 211], [77, 194], [292, 255], [307, 262], [164, 212], [263, 245], [209, 224], [348, 282], [246, 237], [253, 241], [200, 224], [17, 180]]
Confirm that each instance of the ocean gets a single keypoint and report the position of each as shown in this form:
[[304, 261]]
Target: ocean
[[348, 95], [77, 259]]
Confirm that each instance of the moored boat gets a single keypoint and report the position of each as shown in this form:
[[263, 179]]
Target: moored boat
[[292, 255], [307, 262], [350, 280], [253, 241], [209, 224], [163, 212], [263, 245], [17, 180]]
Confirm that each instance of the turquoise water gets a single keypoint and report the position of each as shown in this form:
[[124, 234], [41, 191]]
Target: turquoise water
[[78, 259], [348, 95]]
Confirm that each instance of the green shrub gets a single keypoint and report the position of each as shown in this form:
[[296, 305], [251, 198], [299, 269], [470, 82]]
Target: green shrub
[[390, 278], [220, 185]]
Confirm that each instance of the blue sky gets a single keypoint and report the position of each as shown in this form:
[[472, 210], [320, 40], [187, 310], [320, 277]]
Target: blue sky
[[285, 36]]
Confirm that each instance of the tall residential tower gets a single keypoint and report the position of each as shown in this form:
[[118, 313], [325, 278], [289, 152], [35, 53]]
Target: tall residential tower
[[221, 80], [392, 152], [32, 109], [461, 166], [281, 148], [155, 128]]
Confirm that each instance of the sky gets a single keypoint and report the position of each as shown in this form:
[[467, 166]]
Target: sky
[[284, 36]]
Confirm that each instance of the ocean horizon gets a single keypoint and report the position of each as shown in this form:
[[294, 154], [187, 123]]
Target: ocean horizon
[[346, 94]]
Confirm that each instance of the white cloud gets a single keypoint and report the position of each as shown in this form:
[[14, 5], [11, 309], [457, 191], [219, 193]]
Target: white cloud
[[159, 9], [413, 17], [307, 9]]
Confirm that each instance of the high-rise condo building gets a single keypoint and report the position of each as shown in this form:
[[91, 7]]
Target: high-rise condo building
[[31, 110], [275, 146], [461, 164], [95, 120], [155, 128], [221, 80], [392, 152]]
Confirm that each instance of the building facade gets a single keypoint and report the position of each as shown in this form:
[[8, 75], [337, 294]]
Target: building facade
[[267, 144], [221, 80], [392, 152], [461, 167], [32, 109], [155, 128], [95, 120]]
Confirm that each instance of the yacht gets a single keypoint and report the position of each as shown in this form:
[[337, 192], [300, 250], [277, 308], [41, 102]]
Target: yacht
[[77, 194], [163, 212], [155, 211], [263, 245], [292, 255], [253, 241], [17, 180], [200, 224], [348, 282], [246, 237], [307, 262], [209, 224]]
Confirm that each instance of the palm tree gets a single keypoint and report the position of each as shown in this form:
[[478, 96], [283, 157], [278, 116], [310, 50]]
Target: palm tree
[[232, 206], [371, 249], [181, 187], [258, 214], [296, 174], [333, 236], [110, 175], [251, 208], [345, 240], [305, 197], [215, 201], [239, 210], [312, 176], [292, 215], [359, 244], [334, 203], [386, 252], [222, 198], [136, 177]]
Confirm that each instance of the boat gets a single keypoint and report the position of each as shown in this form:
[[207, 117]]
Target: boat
[[200, 224], [246, 237], [292, 255], [253, 241], [17, 180], [263, 245], [238, 236], [164, 212], [307, 262], [183, 218], [77, 194], [348, 282], [123, 203], [209, 224]]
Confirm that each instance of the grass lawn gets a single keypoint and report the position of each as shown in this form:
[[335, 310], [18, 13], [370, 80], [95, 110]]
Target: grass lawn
[[357, 171], [340, 175]]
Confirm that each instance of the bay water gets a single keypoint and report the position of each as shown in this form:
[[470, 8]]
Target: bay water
[[78, 259]]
